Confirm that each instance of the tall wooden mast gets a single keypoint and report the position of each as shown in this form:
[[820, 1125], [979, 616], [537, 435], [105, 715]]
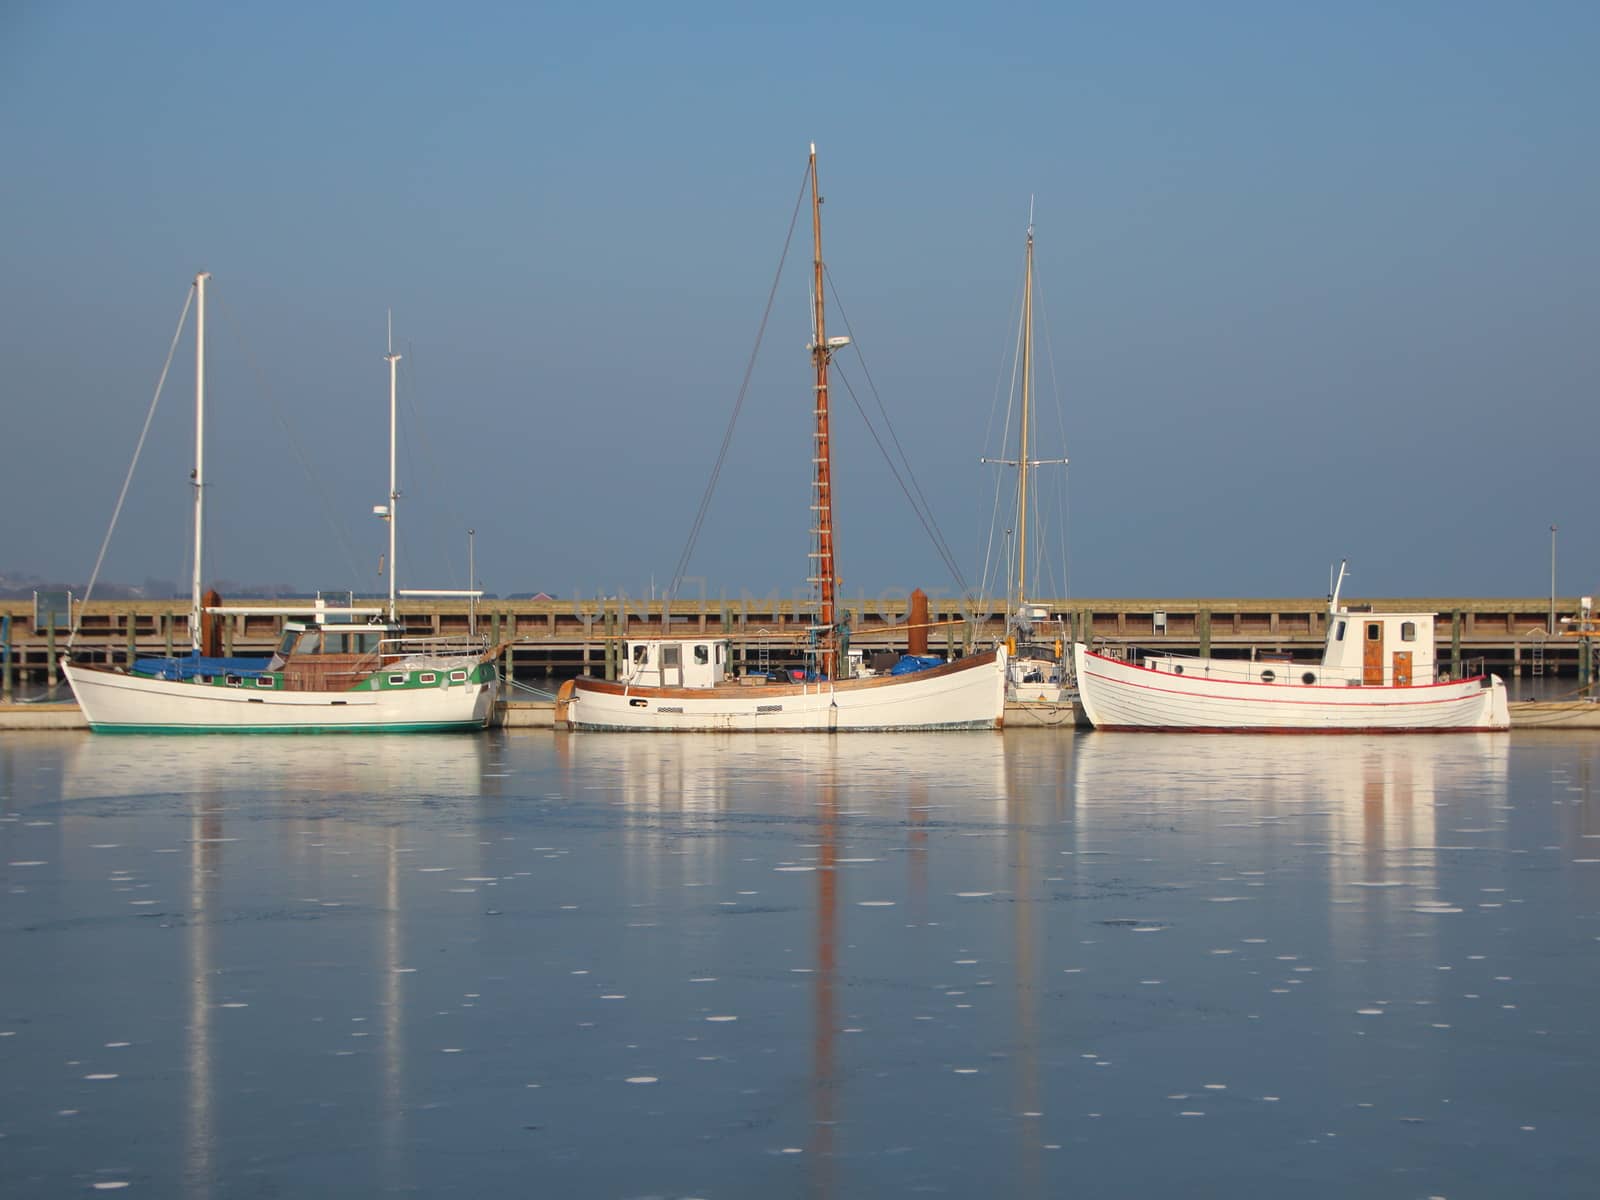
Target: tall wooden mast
[[1027, 420], [822, 458]]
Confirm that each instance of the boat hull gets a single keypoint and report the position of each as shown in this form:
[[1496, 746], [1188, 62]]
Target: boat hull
[[966, 694], [115, 702], [1117, 695]]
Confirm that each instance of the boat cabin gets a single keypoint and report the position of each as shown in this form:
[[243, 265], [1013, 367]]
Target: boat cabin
[[304, 639], [1364, 649], [331, 657], [675, 662], [1380, 649]]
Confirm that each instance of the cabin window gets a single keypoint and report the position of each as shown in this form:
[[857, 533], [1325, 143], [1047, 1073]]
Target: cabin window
[[1308, 678], [702, 655], [397, 680], [639, 653], [263, 680], [335, 643], [307, 642], [671, 656], [365, 643], [458, 676], [722, 653], [233, 680], [1338, 634], [1408, 631], [427, 677], [1374, 632], [286, 643]]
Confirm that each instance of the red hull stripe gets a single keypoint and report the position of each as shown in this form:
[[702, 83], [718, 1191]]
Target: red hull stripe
[[1325, 687], [1278, 729], [1193, 695]]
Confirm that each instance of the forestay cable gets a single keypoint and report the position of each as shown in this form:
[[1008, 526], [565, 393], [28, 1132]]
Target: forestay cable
[[127, 480], [738, 405]]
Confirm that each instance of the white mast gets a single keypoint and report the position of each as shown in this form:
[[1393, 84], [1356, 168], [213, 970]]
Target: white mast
[[394, 494], [1333, 596], [199, 455]]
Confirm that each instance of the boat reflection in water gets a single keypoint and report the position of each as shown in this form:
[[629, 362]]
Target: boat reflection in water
[[138, 765], [786, 965], [205, 781]]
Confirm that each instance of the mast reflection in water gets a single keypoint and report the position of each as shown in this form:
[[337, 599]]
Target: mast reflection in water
[[797, 966]]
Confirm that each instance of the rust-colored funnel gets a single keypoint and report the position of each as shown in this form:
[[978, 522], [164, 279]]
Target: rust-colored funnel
[[917, 636], [210, 625]]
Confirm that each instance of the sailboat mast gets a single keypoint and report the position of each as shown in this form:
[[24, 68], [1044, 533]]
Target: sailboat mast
[[394, 492], [822, 459], [199, 456], [1027, 421]]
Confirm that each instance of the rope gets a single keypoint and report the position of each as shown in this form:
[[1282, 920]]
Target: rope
[[919, 502], [128, 478], [1061, 432], [1005, 441], [738, 404]]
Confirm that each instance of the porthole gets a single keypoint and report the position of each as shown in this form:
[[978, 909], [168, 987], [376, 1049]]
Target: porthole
[[1178, 670], [397, 680], [427, 677], [263, 680], [1269, 675], [458, 676], [1308, 678]]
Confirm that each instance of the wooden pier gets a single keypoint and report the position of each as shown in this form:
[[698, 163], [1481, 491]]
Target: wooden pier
[[555, 639]]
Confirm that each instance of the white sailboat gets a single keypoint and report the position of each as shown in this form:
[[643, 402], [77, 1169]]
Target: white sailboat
[[1037, 670], [1378, 675], [328, 674], [685, 684]]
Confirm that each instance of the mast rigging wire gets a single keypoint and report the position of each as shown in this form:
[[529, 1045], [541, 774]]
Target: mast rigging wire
[[738, 405], [919, 502], [128, 478]]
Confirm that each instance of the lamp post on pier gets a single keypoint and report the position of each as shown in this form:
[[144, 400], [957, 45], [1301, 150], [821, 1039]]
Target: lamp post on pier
[[472, 584], [1552, 580]]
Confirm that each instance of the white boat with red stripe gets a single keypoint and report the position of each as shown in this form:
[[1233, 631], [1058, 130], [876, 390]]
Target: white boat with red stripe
[[1378, 674]]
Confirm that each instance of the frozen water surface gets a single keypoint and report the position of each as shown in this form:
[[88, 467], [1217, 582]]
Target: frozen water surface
[[1031, 965]]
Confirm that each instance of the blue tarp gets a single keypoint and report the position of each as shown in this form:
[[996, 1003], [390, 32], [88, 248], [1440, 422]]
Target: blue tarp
[[911, 663], [191, 665]]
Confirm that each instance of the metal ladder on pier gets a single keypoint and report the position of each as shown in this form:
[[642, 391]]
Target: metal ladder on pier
[[1537, 667]]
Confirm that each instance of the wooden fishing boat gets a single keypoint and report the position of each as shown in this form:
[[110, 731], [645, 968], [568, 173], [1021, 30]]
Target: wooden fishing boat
[[1378, 674], [682, 684]]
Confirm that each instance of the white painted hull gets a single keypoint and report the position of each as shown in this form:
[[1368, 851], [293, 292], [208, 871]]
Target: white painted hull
[[114, 701], [1118, 695], [969, 694]]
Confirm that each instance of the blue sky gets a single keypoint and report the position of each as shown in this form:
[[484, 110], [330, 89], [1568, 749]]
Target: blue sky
[[1317, 281]]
